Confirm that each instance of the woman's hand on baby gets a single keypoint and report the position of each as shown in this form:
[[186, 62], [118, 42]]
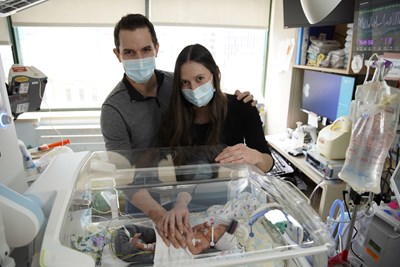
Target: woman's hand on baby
[[176, 221], [239, 153], [177, 241]]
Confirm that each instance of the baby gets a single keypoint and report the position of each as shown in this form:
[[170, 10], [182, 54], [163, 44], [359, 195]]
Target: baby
[[204, 236], [135, 243]]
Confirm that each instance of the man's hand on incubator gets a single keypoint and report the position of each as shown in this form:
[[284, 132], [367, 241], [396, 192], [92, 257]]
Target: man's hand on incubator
[[246, 96]]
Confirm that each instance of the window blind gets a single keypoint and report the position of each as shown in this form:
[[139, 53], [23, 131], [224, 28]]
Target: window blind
[[77, 13], [4, 36], [234, 13]]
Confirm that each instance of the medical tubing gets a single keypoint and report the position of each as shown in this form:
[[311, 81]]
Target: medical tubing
[[259, 213], [385, 102], [369, 65], [296, 204], [331, 215], [50, 113], [315, 189]]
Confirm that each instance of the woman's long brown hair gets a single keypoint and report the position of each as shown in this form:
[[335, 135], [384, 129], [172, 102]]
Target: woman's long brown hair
[[178, 126]]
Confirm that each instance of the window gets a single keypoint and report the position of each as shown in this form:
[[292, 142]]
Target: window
[[239, 53], [78, 61], [82, 68]]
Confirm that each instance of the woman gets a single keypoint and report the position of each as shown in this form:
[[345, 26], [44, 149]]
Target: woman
[[201, 114]]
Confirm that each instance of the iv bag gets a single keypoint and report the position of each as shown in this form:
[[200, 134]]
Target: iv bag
[[375, 114]]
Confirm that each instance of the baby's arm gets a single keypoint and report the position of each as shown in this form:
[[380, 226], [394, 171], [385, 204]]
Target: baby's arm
[[125, 240], [135, 241]]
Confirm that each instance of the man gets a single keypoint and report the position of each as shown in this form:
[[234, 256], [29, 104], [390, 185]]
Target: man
[[131, 114]]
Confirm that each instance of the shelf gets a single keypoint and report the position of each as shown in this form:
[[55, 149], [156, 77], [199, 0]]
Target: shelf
[[330, 70], [339, 33]]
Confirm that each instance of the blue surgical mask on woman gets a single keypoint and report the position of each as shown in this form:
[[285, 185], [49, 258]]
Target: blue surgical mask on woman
[[140, 70], [201, 95]]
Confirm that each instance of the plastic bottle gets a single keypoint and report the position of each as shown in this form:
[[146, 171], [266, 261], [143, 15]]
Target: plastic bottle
[[298, 136], [26, 156]]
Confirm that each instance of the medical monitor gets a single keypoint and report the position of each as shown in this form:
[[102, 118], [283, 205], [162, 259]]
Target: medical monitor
[[25, 89], [326, 94]]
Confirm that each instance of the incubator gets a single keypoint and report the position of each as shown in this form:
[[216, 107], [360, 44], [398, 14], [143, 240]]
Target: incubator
[[88, 195]]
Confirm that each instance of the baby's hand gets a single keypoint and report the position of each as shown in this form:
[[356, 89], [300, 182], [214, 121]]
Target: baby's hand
[[136, 242]]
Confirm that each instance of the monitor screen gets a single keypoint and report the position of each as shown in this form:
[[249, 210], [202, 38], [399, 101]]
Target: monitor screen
[[326, 94], [376, 27]]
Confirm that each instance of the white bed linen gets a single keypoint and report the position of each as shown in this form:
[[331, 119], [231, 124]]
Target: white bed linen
[[169, 255]]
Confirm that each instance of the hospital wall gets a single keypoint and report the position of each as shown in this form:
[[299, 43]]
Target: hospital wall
[[83, 127]]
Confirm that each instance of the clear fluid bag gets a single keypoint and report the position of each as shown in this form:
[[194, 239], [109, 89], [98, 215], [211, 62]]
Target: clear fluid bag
[[375, 113]]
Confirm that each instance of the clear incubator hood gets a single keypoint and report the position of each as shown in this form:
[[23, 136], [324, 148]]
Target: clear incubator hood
[[275, 225]]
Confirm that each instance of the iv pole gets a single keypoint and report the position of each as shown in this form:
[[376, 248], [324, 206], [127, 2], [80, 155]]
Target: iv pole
[[382, 67]]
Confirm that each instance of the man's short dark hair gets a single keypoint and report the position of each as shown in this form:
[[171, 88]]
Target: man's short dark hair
[[133, 22]]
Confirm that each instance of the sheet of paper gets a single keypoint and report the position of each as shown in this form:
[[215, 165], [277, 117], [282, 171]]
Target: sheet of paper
[[312, 119], [284, 55]]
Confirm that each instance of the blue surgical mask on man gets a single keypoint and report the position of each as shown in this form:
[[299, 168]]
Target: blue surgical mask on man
[[140, 70], [201, 95]]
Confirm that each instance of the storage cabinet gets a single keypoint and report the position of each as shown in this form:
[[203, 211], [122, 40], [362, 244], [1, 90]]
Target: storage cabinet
[[338, 33], [294, 113]]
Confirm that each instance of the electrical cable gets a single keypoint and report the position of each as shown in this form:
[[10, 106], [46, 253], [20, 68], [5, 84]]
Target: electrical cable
[[351, 245]]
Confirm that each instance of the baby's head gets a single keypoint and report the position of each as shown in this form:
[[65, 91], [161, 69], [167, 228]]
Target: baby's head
[[221, 237], [228, 240]]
